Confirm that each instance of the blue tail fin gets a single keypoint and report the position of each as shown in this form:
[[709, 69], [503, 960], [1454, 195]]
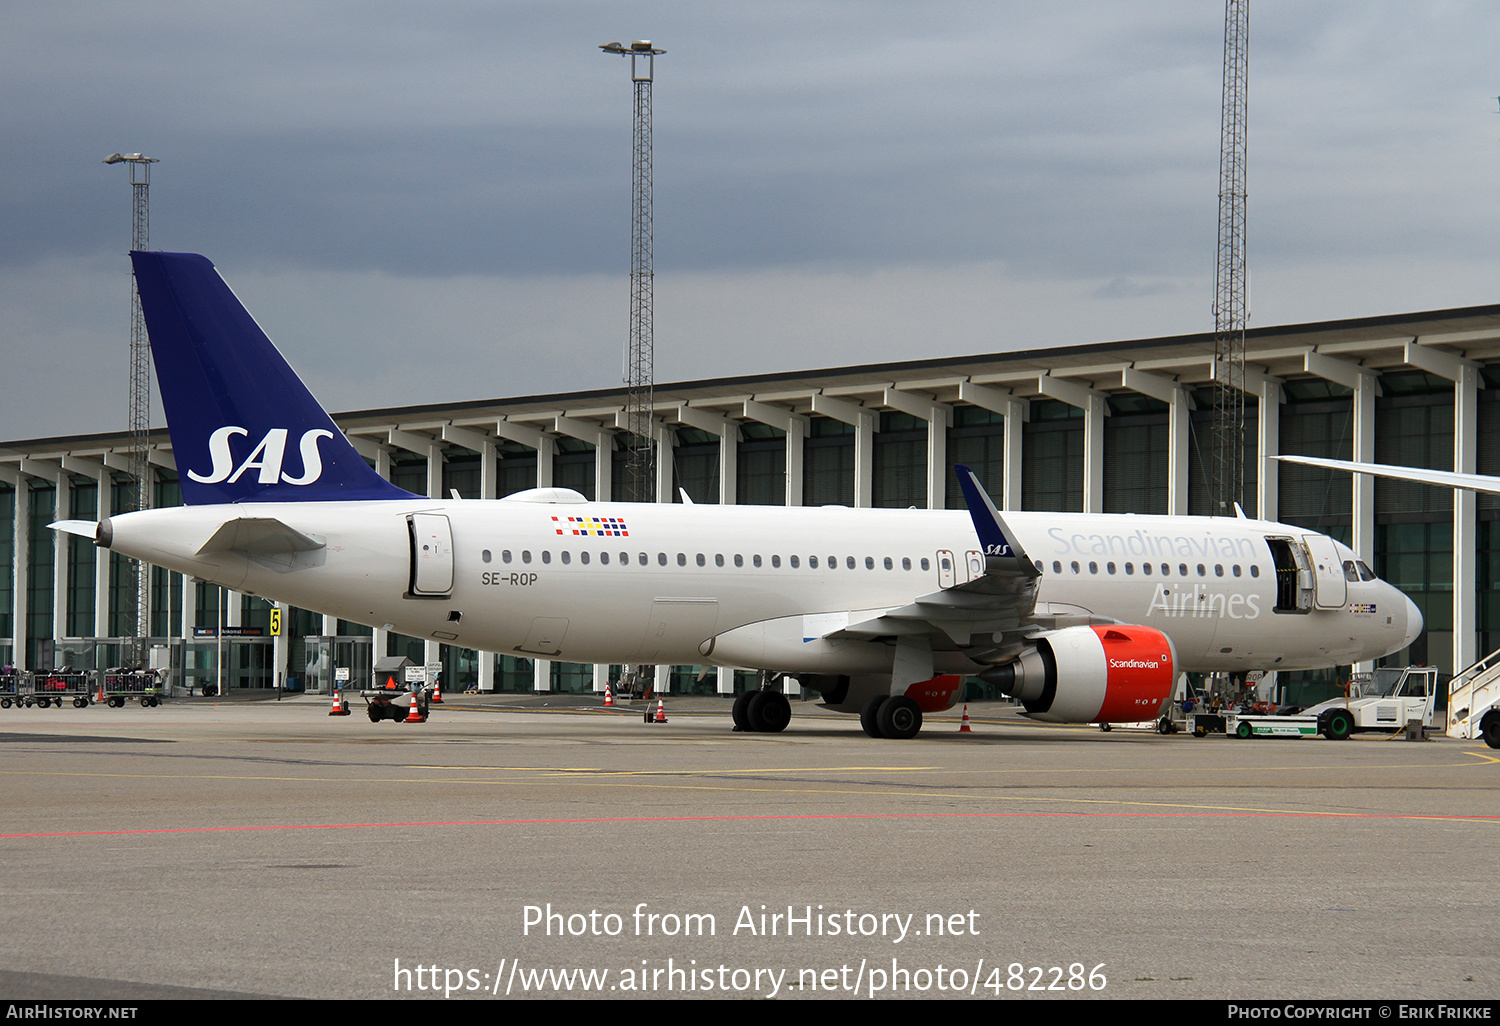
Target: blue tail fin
[[244, 428]]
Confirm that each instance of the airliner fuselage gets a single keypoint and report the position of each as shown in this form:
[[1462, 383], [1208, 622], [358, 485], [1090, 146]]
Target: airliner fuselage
[[759, 586]]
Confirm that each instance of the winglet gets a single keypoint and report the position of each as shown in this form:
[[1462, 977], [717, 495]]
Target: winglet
[[1002, 552]]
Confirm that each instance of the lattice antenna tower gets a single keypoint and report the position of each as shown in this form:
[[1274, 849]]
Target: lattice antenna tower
[[640, 371], [1227, 470], [139, 400]]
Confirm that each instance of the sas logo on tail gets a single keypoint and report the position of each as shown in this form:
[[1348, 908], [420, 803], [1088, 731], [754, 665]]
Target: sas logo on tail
[[265, 458]]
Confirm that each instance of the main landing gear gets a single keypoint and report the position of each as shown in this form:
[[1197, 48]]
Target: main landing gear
[[893, 716], [763, 711]]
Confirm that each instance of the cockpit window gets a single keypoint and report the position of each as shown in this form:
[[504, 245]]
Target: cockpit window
[[1365, 573], [1350, 572]]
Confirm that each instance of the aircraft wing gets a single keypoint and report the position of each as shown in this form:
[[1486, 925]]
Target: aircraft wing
[[1476, 482], [1001, 601]]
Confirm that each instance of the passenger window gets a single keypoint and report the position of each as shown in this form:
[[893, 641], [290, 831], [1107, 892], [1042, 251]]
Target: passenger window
[[701, 560], [906, 562], [526, 555], [661, 559], [546, 555], [567, 558], [505, 555], [485, 555]]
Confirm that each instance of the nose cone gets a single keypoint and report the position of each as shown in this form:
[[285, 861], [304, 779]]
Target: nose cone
[[1413, 622]]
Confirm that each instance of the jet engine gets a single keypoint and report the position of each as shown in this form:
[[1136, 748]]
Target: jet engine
[[1116, 674]]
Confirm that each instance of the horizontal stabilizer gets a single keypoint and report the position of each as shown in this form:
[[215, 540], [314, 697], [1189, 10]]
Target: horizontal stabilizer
[[83, 528], [260, 536]]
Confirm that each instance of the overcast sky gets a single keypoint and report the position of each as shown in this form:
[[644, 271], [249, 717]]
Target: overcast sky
[[427, 202]]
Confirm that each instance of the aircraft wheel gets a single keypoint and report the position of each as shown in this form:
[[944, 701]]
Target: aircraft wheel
[[1338, 726], [741, 711], [1106, 727], [769, 712], [1489, 729], [899, 718], [1244, 732], [869, 715]]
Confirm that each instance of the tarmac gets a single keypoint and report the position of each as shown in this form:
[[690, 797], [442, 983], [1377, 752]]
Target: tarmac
[[524, 846]]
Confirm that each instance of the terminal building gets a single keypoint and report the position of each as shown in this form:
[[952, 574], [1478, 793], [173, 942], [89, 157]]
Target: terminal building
[[1116, 427]]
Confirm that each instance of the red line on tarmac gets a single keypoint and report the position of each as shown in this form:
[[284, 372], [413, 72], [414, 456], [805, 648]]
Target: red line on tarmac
[[753, 819]]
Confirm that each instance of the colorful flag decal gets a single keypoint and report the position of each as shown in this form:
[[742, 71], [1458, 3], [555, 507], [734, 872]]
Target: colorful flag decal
[[592, 527]]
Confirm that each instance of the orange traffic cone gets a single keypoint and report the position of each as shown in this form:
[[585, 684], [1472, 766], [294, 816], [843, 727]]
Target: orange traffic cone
[[437, 692], [339, 708], [609, 697], [963, 727], [414, 715], [101, 690], [661, 710]]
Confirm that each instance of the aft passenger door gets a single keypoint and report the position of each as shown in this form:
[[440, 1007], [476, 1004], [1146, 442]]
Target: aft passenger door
[[431, 554]]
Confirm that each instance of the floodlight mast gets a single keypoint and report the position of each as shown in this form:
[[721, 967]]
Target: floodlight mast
[[640, 477], [1227, 470], [139, 402]]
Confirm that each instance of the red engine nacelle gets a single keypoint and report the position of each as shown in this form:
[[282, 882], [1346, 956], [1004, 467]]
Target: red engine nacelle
[[1118, 674]]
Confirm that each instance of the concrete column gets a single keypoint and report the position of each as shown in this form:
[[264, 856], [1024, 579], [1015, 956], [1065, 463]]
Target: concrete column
[[1268, 439], [864, 422], [601, 677], [796, 435], [1363, 507], [102, 560], [1465, 515], [541, 675], [729, 465], [1466, 376], [724, 680], [61, 551], [1179, 425], [1016, 411], [939, 418], [795, 426], [1095, 408], [1366, 386], [665, 441], [21, 578]]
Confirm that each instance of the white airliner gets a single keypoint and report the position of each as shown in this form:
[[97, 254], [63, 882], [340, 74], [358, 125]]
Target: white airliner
[[1083, 617]]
